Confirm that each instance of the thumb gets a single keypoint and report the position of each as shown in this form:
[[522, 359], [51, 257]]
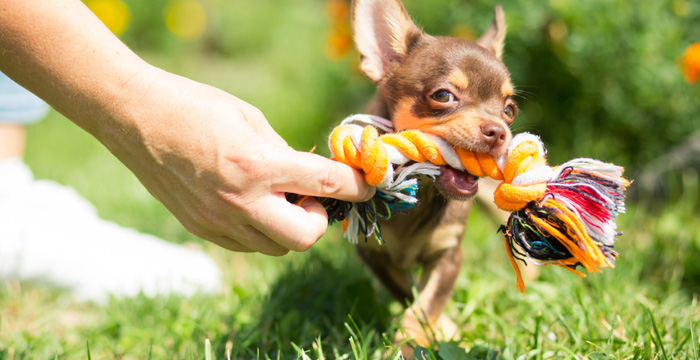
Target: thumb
[[310, 174]]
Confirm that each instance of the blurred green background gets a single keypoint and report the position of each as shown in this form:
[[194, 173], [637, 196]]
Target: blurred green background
[[596, 78]]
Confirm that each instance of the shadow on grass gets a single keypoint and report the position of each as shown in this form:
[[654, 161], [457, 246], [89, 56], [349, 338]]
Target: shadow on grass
[[449, 351], [331, 297], [313, 299]]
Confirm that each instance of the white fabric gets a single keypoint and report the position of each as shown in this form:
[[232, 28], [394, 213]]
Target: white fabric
[[379, 122], [447, 151], [534, 176], [49, 233]]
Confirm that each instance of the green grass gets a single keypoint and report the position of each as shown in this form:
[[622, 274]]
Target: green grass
[[324, 304]]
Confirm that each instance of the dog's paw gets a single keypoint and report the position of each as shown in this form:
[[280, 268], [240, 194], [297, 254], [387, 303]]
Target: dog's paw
[[419, 332], [447, 329]]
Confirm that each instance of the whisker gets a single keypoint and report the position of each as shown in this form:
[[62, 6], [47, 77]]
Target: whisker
[[523, 128], [523, 94]]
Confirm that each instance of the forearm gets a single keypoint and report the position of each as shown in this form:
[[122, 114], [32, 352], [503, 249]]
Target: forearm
[[213, 160], [60, 51]]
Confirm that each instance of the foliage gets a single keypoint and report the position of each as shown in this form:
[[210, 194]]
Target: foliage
[[597, 78]]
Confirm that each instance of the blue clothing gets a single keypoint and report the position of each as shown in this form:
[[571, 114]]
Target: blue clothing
[[18, 105]]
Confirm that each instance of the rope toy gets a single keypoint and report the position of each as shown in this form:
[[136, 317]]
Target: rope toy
[[561, 215]]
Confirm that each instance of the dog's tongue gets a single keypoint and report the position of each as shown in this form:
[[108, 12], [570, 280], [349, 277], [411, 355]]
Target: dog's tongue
[[457, 184]]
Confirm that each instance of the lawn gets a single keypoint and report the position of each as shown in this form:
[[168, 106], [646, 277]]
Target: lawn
[[323, 303]]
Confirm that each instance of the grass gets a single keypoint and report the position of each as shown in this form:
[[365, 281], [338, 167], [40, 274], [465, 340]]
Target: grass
[[324, 304]]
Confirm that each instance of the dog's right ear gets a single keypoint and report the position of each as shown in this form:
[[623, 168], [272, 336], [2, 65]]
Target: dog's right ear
[[383, 33], [495, 35]]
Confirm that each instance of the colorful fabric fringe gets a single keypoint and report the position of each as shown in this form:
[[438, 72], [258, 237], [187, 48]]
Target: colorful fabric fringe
[[560, 215]]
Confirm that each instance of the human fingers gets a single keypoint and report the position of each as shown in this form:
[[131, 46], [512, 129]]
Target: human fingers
[[230, 244], [315, 175], [295, 227], [249, 239]]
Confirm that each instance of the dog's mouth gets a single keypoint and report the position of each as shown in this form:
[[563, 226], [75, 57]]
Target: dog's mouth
[[456, 184]]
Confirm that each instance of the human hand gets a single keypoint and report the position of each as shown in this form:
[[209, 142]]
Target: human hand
[[210, 158], [217, 165]]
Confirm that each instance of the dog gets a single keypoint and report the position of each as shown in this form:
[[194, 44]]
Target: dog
[[460, 91]]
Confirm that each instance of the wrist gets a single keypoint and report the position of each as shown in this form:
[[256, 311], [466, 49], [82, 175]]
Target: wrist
[[154, 115]]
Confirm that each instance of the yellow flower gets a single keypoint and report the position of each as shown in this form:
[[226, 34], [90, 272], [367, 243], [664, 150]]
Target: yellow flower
[[339, 35], [113, 13], [339, 43], [691, 63], [186, 19], [337, 9]]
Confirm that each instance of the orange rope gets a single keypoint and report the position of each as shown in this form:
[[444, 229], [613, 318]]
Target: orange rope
[[417, 146]]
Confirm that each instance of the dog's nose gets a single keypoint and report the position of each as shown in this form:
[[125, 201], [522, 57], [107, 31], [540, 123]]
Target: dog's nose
[[494, 134]]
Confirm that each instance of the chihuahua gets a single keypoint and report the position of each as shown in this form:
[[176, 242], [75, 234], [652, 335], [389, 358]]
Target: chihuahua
[[460, 91]]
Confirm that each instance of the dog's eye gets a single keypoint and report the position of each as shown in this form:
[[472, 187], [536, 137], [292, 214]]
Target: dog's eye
[[510, 111], [443, 96]]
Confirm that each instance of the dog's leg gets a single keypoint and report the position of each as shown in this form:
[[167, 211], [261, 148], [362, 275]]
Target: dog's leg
[[396, 280], [423, 321]]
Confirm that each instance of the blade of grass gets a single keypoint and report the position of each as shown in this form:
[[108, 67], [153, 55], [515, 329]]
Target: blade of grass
[[394, 350], [610, 336], [361, 345], [680, 345], [656, 332], [693, 341], [354, 348], [300, 352], [358, 335], [207, 349], [319, 349], [536, 335], [336, 353], [568, 329], [240, 345]]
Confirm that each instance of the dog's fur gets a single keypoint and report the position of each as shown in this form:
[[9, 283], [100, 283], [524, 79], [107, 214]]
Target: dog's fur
[[450, 87]]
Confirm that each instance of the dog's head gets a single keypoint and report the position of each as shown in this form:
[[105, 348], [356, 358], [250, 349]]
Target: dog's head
[[453, 88]]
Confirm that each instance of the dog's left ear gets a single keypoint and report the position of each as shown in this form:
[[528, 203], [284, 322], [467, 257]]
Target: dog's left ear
[[383, 34], [495, 35]]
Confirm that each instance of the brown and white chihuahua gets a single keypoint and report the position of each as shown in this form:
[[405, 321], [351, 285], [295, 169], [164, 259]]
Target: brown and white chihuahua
[[453, 88]]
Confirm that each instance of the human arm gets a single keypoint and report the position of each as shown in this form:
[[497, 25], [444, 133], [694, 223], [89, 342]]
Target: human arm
[[210, 158]]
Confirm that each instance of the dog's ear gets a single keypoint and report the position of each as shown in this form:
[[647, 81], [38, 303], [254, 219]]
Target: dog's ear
[[495, 35], [383, 34]]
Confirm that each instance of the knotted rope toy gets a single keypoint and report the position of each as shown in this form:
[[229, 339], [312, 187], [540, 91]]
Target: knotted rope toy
[[561, 215]]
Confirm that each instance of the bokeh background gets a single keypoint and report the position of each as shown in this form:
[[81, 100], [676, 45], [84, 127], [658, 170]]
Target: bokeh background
[[598, 78], [604, 79], [607, 79]]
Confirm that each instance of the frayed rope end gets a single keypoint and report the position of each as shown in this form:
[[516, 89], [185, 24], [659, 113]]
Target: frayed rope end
[[573, 224]]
